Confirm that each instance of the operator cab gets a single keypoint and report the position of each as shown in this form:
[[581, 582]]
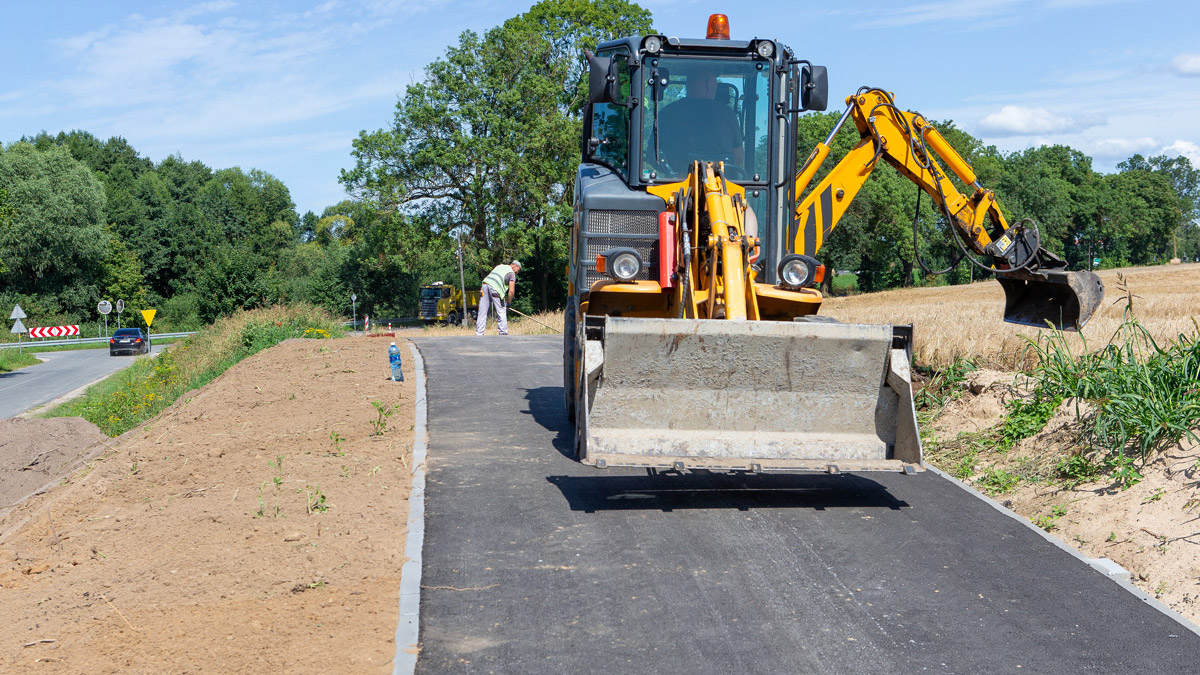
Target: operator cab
[[658, 104]]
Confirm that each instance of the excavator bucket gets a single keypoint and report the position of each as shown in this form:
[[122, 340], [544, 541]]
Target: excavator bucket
[[1065, 300], [747, 395]]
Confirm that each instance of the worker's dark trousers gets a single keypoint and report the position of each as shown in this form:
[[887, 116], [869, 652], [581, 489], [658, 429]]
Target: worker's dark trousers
[[488, 297]]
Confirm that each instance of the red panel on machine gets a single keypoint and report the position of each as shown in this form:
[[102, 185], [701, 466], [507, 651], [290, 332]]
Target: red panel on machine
[[666, 249]]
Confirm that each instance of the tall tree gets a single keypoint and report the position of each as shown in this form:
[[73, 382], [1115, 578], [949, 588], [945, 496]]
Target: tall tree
[[488, 140], [55, 243]]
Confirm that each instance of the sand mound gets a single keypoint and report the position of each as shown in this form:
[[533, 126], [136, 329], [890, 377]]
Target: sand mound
[[33, 452]]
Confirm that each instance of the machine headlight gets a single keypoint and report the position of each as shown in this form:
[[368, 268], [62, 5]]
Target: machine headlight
[[766, 49], [622, 264], [652, 44], [800, 271]]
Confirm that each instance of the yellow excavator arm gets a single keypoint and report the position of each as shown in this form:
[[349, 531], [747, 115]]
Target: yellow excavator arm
[[1038, 289]]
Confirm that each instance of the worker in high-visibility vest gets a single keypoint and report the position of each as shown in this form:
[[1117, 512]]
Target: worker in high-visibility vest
[[502, 279]]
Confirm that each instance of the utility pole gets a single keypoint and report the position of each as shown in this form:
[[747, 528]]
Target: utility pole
[[462, 284]]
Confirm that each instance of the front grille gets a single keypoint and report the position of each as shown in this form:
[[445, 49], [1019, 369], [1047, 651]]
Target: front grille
[[622, 222], [632, 229], [429, 308]]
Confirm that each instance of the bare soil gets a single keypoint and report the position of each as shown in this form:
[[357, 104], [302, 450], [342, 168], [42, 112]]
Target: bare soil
[[188, 546]]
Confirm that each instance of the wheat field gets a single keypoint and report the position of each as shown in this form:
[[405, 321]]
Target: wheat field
[[953, 322]]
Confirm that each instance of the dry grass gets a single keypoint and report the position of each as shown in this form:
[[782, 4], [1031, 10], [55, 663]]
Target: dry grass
[[967, 321], [517, 325]]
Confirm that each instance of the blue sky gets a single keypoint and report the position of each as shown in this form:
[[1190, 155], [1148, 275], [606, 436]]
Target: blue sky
[[285, 86]]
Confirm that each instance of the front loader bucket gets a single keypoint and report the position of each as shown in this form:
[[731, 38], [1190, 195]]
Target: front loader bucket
[[748, 395], [1065, 300]]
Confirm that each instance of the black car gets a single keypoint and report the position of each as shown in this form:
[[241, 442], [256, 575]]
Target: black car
[[128, 341]]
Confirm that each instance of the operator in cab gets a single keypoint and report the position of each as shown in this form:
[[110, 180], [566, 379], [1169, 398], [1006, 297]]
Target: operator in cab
[[699, 126]]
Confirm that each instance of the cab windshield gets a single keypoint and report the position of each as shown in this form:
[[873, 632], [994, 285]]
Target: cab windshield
[[708, 110], [430, 293]]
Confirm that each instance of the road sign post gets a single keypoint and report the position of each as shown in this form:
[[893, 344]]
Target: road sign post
[[353, 312], [104, 307], [19, 328], [120, 308]]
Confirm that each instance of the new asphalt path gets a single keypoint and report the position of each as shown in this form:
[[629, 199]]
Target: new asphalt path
[[534, 563]]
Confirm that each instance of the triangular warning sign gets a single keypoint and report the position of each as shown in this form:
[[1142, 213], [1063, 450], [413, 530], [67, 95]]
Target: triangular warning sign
[[148, 315], [19, 327]]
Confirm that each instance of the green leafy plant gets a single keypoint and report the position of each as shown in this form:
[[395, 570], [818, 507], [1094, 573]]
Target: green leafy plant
[[1050, 522], [1078, 469], [998, 481], [278, 466], [1027, 418], [337, 443], [262, 504], [314, 499], [943, 385], [1123, 469], [384, 411]]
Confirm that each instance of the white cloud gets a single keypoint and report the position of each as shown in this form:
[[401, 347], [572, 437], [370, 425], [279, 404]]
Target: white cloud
[[1187, 65], [971, 14], [1119, 148], [1186, 148], [1015, 120]]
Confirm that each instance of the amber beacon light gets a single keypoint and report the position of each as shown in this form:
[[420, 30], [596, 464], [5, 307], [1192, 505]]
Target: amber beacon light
[[718, 27]]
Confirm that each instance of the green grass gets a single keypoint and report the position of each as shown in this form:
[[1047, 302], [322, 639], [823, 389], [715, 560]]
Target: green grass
[[141, 391], [11, 360], [845, 283]]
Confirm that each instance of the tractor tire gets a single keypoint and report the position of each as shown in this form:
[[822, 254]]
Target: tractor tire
[[570, 358]]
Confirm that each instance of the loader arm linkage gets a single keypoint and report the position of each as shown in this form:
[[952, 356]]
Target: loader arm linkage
[[1037, 286]]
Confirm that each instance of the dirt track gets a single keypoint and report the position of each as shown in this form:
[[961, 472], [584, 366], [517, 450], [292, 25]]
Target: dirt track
[[184, 548]]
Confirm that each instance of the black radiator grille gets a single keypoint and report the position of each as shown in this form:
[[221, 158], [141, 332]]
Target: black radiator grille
[[633, 229]]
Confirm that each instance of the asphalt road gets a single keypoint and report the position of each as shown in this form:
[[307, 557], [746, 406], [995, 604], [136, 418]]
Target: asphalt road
[[534, 563], [62, 373]]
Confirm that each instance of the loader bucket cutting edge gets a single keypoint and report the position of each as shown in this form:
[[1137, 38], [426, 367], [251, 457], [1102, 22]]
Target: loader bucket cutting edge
[[752, 395], [1065, 300]]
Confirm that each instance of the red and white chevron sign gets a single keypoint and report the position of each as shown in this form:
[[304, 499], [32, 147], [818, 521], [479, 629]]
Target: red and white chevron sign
[[54, 331]]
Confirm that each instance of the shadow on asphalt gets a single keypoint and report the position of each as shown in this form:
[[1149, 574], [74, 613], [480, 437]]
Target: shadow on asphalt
[[16, 373], [671, 491], [546, 406]]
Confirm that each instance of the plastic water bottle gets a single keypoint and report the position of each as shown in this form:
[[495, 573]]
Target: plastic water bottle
[[394, 360]]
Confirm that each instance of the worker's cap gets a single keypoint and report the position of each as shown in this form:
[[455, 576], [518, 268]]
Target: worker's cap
[[515, 263]]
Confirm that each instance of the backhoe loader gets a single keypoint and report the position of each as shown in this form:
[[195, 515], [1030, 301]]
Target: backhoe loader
[[691, 337]]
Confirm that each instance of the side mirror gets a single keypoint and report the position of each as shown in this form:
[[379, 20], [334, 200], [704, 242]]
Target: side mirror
[[601, 78], [814, 88], [661, 77]]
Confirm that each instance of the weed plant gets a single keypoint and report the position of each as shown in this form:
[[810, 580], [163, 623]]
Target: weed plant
[[144, 389], [1143, 396]]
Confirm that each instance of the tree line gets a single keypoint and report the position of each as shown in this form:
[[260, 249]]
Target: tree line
[[480, 156]]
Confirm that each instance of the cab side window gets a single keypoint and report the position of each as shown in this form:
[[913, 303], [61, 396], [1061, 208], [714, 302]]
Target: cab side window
[[610, 122]]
